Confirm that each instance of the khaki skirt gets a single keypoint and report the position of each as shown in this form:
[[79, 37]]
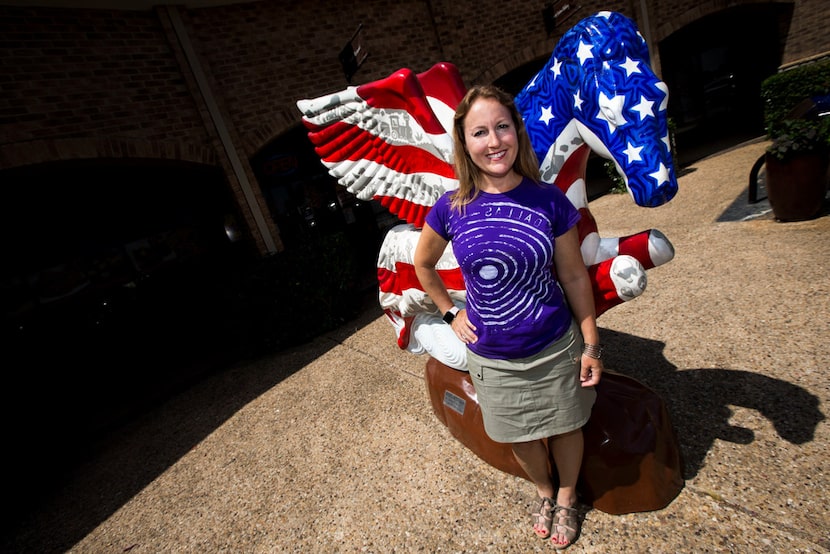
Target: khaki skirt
[[532, 398]]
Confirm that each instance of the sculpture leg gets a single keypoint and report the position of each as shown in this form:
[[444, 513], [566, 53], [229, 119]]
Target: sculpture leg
[[615, 281]]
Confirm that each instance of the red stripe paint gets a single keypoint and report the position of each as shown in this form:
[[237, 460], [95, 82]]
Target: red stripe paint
[[403, 277], [402, 91]]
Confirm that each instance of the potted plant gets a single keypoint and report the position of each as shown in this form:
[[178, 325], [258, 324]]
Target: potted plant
[[797, 156], [800, 136]]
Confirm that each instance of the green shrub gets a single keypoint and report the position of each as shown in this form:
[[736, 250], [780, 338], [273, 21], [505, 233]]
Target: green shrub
[[617, 182], [782, 95], [800, 136]]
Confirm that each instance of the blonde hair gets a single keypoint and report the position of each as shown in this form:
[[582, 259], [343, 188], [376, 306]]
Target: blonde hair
[[466, 171]]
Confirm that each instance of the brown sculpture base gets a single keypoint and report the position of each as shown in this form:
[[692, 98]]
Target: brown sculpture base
[[631, 461]]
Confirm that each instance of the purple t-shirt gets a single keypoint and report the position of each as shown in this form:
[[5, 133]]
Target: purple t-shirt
[[504, 245]]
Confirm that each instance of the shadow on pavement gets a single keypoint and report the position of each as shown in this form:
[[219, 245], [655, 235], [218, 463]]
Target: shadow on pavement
[[69, 484], [699, 400]]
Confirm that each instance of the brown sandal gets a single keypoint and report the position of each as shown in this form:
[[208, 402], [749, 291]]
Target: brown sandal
[[566, 523], [543, 518]]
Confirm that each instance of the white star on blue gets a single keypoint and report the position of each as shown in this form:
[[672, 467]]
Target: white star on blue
[[547, 115]]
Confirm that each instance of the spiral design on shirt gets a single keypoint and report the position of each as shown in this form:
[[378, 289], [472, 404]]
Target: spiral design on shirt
[[503, 274]]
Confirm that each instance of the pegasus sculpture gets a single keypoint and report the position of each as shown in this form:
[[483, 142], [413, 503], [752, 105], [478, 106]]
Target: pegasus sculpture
[[390, 140]]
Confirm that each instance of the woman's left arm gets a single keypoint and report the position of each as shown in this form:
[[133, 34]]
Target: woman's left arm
[[573, 276]]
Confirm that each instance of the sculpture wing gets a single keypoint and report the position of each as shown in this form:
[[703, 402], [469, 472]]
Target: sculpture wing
[[390, 140]]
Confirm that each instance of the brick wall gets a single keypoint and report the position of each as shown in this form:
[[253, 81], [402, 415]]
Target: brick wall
[[76, 73], [808, 34], [92, 83], [264, 56]]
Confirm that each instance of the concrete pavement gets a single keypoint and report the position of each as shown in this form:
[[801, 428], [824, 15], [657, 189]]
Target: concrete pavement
[[332, 446]]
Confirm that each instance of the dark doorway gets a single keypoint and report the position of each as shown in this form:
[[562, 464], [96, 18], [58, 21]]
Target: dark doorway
[[515, 80], [308, 204], [112, 291], [714, 68]]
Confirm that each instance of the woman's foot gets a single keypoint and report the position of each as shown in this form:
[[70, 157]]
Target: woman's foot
[[565, 526], [543, 518]]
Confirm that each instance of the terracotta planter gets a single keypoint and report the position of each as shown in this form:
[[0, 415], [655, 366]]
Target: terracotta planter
[[796, 188]]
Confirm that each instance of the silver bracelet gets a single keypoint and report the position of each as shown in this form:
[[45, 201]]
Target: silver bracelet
[[592, 350]]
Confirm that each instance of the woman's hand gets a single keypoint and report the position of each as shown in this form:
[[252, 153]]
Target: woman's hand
[[464, 330], [591, 371]]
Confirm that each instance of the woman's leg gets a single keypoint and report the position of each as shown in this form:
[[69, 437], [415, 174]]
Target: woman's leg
[[533, 457], [567, 455]]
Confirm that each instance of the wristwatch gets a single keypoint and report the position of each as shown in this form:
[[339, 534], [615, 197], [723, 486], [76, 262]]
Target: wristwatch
[[450, 315]]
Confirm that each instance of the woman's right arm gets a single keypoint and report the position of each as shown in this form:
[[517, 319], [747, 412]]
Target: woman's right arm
[[428, 251], [430, 247]]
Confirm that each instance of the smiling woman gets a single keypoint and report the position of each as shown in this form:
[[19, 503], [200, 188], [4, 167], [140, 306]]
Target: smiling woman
[[529, 323], [491, 140]]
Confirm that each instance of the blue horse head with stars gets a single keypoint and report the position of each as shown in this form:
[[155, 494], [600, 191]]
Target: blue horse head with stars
[[598, 89]]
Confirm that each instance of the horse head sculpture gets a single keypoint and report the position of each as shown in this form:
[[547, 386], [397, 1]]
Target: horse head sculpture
[[390, 140], [598, 89], [598, 93]]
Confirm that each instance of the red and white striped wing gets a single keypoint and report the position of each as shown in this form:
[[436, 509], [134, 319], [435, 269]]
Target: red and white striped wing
[[390, 140]]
